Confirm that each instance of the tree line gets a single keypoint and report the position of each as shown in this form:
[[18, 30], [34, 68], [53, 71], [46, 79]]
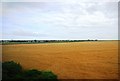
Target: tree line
[[44, 41]]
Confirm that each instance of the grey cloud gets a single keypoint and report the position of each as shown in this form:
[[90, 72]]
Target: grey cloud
[[33, 6], [59, 19], [28, 33]]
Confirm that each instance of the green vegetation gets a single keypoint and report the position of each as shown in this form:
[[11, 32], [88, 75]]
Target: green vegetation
[[5, 42], [13, 72]]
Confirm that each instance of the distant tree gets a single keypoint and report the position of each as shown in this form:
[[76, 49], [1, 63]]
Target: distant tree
[[96, 40], [35, 40]]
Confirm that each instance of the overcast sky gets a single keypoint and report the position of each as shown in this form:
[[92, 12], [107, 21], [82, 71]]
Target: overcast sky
[[60, 20]]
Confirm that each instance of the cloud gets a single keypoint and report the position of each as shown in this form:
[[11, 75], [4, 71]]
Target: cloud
[[61, 19], [65, 1], [28, 33]]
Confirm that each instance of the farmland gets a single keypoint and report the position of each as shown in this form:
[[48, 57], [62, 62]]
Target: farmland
[[74, 60]]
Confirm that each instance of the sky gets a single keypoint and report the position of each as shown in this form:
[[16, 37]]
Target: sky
[[60, 20]]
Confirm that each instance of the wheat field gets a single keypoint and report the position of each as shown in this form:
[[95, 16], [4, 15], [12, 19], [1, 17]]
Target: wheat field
[[75, 60]]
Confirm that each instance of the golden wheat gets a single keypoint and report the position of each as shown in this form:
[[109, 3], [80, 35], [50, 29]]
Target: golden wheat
[[76, 60]]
